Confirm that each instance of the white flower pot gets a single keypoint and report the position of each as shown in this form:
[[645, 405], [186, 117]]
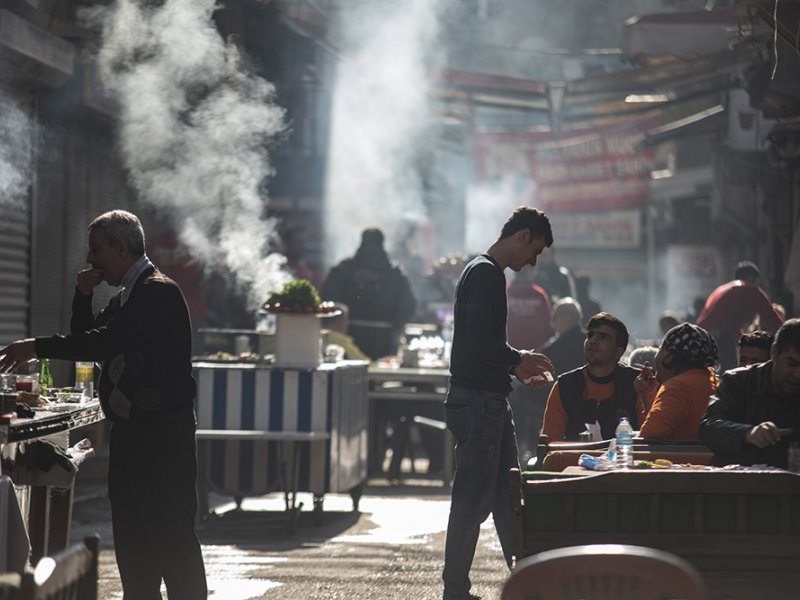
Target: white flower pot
[[298, 340]]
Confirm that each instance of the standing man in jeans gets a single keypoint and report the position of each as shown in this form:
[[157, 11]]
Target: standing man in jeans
[[477, 408], [144, 340]]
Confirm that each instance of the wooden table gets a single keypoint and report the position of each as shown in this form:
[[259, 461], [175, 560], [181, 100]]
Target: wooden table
[[735, 526]]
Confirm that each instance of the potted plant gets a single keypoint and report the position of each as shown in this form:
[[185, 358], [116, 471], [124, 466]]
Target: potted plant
[[298, 308]]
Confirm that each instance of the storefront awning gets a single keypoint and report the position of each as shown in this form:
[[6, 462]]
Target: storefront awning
[[711, 119], [659, 38]]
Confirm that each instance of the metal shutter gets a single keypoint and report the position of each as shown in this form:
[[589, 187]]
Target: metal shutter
[[16, 169]]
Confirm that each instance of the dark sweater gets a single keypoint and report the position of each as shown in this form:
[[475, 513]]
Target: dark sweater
[[481, 358], [145, 348]]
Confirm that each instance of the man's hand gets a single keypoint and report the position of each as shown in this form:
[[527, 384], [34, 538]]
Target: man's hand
[[646, 385], [533, 369], [16, 353], [88, 279], [766, 434]]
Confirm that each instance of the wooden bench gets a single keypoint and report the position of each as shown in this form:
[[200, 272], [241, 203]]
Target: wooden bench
[[722, 521]]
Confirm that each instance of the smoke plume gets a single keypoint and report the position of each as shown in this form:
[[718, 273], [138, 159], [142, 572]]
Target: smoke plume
[[381, 121], [16, 154], [195, 131]]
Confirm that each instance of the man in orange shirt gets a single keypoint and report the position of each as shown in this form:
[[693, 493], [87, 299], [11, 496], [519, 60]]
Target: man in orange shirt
[[684, 370], [599, 392]]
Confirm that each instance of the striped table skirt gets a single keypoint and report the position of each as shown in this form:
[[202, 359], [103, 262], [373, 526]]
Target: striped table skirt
[[330, 400]]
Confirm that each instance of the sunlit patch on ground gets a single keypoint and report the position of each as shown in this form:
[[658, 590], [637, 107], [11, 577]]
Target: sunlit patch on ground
[[401, 520], [239, 589]]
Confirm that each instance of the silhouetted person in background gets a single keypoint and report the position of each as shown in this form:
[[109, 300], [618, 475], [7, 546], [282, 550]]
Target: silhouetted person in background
[[695, 309], [733, 305], [666, 321], [565, 349], [754, 347], [528, 312], [554, 278], [589, 306], [378, 294]]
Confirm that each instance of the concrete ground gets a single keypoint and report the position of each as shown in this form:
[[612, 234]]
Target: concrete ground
[[392, 548]]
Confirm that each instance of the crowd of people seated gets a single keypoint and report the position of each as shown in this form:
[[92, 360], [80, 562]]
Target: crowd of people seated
[[689, 387]]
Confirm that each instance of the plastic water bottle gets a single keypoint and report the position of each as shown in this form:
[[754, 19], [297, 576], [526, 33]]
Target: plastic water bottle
[[624, 443]]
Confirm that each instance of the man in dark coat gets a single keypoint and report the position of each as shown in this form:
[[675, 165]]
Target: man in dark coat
[[378, 294], [756, 414], [144, 339]]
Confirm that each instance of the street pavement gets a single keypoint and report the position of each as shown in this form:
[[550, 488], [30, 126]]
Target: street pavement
[[391, 548]]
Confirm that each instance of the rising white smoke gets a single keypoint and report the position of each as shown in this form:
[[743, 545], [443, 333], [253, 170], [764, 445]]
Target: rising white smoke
[[16, 154], [381, 121], [195, 127]]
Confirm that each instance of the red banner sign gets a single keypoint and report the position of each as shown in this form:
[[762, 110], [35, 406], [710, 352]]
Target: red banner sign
[[583, 170]]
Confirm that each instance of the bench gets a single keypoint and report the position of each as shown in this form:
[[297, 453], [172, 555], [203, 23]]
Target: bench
[[723, 521]]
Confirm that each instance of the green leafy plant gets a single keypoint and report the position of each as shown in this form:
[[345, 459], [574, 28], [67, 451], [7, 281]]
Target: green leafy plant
[[296, 295]]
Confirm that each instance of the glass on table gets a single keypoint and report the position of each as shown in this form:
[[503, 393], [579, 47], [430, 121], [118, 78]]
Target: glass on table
[[84, 378], [27, 383]]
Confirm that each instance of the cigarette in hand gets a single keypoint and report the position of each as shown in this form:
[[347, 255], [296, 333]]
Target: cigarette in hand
[[547, 375]]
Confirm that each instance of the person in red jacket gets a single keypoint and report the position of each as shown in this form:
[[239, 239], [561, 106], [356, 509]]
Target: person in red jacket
[[734, 304], [529, 312]]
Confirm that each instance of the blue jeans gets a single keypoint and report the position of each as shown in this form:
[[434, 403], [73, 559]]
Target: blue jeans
[[486, 449]]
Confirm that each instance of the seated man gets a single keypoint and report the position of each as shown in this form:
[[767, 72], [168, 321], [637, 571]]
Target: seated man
[[599, 392], [757, 411], [754, 347], [684, 368]]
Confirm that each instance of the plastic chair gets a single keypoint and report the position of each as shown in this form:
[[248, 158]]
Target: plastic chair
[[604, 572], [70, 574]]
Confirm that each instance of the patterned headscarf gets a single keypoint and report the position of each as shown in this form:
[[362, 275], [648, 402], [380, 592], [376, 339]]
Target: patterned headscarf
[[693, 343]]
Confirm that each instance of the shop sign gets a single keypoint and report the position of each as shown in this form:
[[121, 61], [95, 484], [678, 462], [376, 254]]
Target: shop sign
[[612, 229], [573, 171]]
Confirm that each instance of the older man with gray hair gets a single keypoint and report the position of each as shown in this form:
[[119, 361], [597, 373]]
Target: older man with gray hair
[[565, 349], [143, 339]]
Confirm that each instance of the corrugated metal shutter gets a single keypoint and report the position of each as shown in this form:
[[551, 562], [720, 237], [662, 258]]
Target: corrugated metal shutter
[[16, 168]]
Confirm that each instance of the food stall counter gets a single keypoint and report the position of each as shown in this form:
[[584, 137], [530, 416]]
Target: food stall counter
[[45, 498], [263, 428]]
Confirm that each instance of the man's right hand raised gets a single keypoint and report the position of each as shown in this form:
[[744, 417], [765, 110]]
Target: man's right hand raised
[[532, 368], [88, 279]]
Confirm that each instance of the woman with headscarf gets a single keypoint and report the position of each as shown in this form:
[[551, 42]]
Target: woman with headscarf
[[685, 371]]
